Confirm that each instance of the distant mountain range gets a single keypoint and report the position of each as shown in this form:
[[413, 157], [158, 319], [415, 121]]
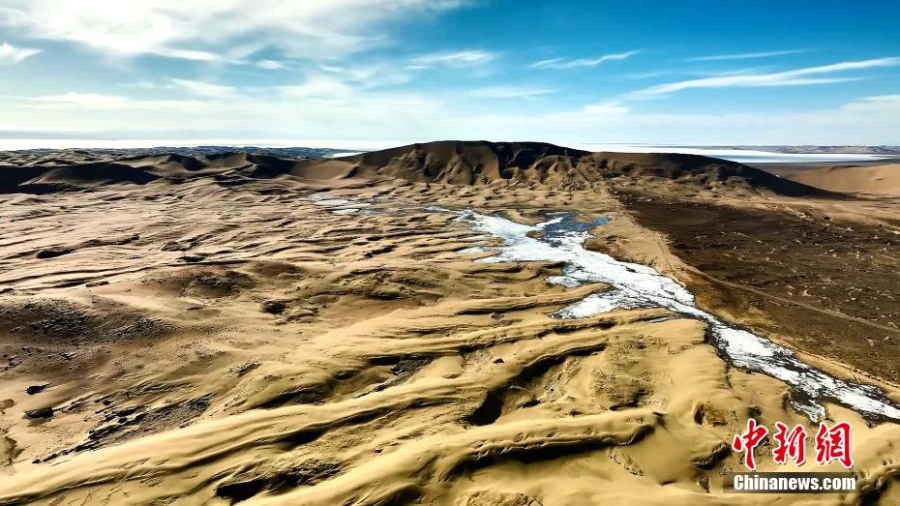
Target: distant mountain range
[[465, 163], [95, 154], [816, 150], [59, 157]]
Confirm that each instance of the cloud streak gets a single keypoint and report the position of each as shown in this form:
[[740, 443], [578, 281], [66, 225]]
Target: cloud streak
[[510, 92], [607, 108], [10, 55], [453, 60], [99, 102], [563, 63], [269, 65], [747, 56], [799, 77], [203, 89], [891, 99]]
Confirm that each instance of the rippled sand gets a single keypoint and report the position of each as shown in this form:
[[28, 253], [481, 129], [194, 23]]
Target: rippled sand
[[206, 343]]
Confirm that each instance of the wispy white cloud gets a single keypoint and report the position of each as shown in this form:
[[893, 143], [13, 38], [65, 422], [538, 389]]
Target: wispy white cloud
[[510, 92], [197, 88], [188, 54], [94, 101], [747, 56], [87, 100], [564, 63], [210, 30], [340, 97], [10, 54], [203, 89], [144, 84], [375, 75], [893, 99], [607, 108], [455, 60], [321, 87], [798, 77], [331, 110], [269, 65], [874, 106], [649, 74]]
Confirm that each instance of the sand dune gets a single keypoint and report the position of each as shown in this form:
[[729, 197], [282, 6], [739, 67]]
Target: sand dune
[[171, 168], [450, 162], [245, 329], [475, 163], [870, 179]]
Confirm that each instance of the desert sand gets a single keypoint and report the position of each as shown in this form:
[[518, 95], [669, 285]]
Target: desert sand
[[864, 179], [249, 329]]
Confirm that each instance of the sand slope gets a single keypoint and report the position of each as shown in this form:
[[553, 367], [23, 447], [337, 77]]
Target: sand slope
[[870, 179], [220, 338], [170, 168], [531, 163]]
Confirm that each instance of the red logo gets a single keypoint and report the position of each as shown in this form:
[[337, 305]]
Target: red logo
[[749, 440], [790, 444], [834, 444]]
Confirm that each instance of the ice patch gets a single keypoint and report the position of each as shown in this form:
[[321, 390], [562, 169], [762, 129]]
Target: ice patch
[[593, 304], [551, 222], [566, 281], [473, 250], [332, 202]]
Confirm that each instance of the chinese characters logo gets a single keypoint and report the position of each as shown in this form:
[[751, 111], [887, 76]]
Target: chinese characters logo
[[831, 443]]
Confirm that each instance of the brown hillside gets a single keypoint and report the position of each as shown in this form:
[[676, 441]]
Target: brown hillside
[[482, 162], [140, 170], [449, 162]]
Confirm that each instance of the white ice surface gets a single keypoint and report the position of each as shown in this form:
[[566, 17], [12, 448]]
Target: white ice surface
[[566, 281], [474, 250], [332, 202]]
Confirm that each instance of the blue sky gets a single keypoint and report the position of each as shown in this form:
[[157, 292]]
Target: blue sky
[[361, 73]]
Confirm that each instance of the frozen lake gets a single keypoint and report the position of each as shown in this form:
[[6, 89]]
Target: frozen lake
[[746, 156]]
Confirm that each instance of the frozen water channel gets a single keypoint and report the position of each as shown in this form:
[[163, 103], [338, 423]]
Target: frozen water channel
[[561, 239]]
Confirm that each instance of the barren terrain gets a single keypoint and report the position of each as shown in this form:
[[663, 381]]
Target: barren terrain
[[256, 330]]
